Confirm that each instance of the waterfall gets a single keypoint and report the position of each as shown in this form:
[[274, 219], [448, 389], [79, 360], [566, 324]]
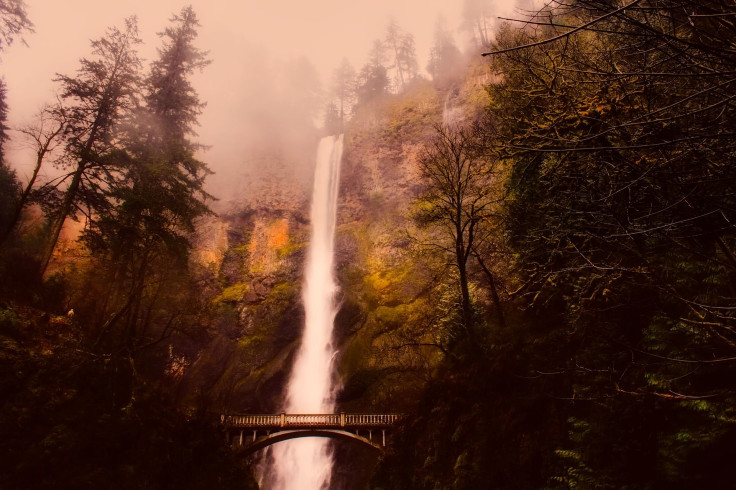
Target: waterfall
[[306, 464]]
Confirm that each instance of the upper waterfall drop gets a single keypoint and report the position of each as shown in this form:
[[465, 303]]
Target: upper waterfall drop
[[310, 387], [306, 464]]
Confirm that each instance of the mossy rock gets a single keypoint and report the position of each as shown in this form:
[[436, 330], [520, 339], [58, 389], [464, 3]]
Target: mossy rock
[[231, 294]]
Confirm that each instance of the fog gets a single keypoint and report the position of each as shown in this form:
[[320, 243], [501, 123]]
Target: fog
[[269, 62]]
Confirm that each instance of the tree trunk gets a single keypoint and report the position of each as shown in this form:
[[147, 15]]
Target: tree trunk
[[466, 303], [58, 221], [494, 291], [24, 197], [398, 63], [462, 265]]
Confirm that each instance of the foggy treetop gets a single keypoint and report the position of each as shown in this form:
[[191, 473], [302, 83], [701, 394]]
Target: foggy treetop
[[251, 45]]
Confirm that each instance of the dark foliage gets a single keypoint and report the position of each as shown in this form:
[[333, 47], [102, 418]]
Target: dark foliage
[[615, 122], [62, 427], [89, 397]]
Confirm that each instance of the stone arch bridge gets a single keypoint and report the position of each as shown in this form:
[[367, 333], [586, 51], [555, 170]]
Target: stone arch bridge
[[254, 432]]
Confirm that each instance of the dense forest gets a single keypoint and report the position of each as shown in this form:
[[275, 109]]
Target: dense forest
[[612, 238], [535, 252]]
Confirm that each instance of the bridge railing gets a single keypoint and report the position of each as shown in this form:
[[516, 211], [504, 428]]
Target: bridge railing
[[311, 420], [370, 419], [284, 420], [251, 420]]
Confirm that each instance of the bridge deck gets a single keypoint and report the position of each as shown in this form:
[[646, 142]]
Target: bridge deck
[[306, 421]]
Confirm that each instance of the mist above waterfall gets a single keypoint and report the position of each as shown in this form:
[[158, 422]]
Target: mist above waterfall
[[269, 62], [269, 156]]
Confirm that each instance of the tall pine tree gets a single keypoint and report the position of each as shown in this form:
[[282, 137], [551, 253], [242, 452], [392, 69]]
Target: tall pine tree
[[143, 237], [95, 100]]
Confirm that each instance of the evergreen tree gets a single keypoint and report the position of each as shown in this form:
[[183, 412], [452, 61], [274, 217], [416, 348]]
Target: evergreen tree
[[13, 21], [303, 92], [373, 79], [344, 88], [170, 98], [445, 59], [3, 118], [143, 234], [95, 100], [402, 53], [333, 122], [10, 190], [9, 185], [477, 19]]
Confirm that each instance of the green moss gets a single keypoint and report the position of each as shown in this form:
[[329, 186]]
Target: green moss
[[9, 319], [241, 250], [384, 286], [231, 294], [393, 315], [282, 295], [359, 233], [355, 356], [412, 112], [252, 341], [377, 198], [377, 281], [289, 249]]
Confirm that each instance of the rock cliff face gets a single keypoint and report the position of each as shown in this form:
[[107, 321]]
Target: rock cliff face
[[375, 268], [251, 260], [251, 257]]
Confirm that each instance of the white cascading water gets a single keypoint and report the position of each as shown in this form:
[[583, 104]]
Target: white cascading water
[[306, 464]]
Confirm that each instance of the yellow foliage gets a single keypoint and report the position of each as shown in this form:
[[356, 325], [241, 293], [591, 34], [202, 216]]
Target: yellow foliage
[[414, 110]]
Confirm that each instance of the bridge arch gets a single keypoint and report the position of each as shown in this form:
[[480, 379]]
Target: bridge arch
[[285, 435]]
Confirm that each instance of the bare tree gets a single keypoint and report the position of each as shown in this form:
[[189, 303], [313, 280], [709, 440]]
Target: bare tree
[[459, 200], [44, 135]]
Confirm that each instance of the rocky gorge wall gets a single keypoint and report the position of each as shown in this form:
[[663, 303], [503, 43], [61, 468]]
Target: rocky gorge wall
[[251, 259]]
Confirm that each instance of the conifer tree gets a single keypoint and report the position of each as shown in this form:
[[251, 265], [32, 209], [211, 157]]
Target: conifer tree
[[9, 186], [444, 56], [95, 100], [373, 77], [402, 53], [344, 88], [163, 179], [478, 20], [13, 21], [143, 235], [332, 120]]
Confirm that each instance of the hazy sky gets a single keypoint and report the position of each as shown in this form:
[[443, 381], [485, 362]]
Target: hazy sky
[[234, 32]]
